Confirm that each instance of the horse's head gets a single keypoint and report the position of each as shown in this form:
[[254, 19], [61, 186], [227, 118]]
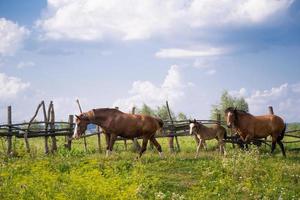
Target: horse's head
[[230, 115], [193, 126], [81, 123]]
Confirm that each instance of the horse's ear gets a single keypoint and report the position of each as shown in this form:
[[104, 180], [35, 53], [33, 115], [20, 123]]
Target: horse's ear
[[77, 116], [195, 120]]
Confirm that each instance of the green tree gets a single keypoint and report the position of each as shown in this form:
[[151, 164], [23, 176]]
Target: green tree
[[181, 116], [146, 110], [162, 112], [226, 101]]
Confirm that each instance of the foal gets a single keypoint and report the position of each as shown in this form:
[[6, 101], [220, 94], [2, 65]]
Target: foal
[[207, 133]]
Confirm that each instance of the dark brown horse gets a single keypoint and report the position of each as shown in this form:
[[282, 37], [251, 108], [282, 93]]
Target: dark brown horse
[[116, 123], [255, 127]]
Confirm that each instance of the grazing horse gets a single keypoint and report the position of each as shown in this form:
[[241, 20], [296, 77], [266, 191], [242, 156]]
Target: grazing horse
[[207, 133], [116, 123], [254, 127]]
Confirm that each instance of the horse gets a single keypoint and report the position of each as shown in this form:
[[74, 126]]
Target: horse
[[251, 127], [116, 123], [216, 131]]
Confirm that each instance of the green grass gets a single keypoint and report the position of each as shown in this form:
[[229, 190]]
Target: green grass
[[77, 174]]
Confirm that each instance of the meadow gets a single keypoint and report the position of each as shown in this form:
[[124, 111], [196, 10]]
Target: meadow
[[76, 174]]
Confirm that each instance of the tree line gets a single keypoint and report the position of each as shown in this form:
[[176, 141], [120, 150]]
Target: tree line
[[226, 100]]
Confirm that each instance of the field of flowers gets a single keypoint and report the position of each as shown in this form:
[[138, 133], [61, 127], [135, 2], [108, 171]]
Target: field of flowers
[[76, 174]]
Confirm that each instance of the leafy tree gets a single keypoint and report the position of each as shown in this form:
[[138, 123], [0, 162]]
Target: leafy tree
[[228, 101], [162, 112], [146, 110], [181, 116]]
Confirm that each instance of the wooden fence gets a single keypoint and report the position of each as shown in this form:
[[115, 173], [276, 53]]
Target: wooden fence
[[49, 128]]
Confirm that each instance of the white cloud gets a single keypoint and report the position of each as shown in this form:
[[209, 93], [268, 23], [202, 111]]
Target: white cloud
[[24, 64], [10, 86], [211, 72], [171, 89], [185, 53], [284, 100], [11, 37], [135, 19], [239, 93]]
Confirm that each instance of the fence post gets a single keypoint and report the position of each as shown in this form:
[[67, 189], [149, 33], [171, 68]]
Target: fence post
[[271, 112], [9, 137], [46, 128], [219, 118], [99, 138], [69, 137], [52, 128], [171, 139], [136, 145]]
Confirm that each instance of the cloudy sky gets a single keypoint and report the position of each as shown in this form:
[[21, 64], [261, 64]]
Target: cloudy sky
[[128, 52]]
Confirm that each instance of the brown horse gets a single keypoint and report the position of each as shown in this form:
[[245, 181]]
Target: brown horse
[[254, 127], [207, 133], [116, 123]]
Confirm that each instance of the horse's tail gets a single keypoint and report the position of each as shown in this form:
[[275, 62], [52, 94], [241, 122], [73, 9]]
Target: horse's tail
[[280, 137]]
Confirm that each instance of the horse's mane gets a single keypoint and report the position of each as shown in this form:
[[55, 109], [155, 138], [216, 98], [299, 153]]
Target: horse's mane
[[234, 110]]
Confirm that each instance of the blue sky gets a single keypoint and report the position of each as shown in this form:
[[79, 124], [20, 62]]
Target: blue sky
[[125, 53]]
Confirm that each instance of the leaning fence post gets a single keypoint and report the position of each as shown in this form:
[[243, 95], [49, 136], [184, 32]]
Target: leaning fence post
[[84, 138], [69, 137], [171, 138], [9, 137]]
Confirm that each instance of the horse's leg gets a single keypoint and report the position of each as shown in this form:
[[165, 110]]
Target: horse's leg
[[144, 146], [221, 146], [157, 145], [198, 147], [107, 139], [205, 145], [112, 140], [273, 146], [282, 147]]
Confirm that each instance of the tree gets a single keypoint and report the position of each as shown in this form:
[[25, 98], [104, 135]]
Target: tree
[[162, 112], [181, 116], [228, 101], [146, 110]]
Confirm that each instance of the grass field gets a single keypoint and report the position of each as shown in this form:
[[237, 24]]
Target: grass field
[[77, 174]]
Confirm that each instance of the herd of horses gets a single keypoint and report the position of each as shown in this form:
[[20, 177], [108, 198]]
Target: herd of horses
[[116, 123]]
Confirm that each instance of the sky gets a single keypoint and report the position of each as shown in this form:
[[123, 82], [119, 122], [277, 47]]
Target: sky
[[128, 52]]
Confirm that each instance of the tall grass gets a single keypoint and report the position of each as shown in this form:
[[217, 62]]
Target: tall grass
[[76, 174]]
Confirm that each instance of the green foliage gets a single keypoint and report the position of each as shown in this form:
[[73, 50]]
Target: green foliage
[[77, 174], [228, 101], [181, 116], [146, 110], [162, 112]]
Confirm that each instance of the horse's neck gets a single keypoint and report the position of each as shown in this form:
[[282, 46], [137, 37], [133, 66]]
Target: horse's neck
[[243, 121], [103, 117]]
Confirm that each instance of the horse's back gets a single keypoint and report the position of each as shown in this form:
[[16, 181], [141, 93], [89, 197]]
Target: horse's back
[[132, 125], [269, 123]]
